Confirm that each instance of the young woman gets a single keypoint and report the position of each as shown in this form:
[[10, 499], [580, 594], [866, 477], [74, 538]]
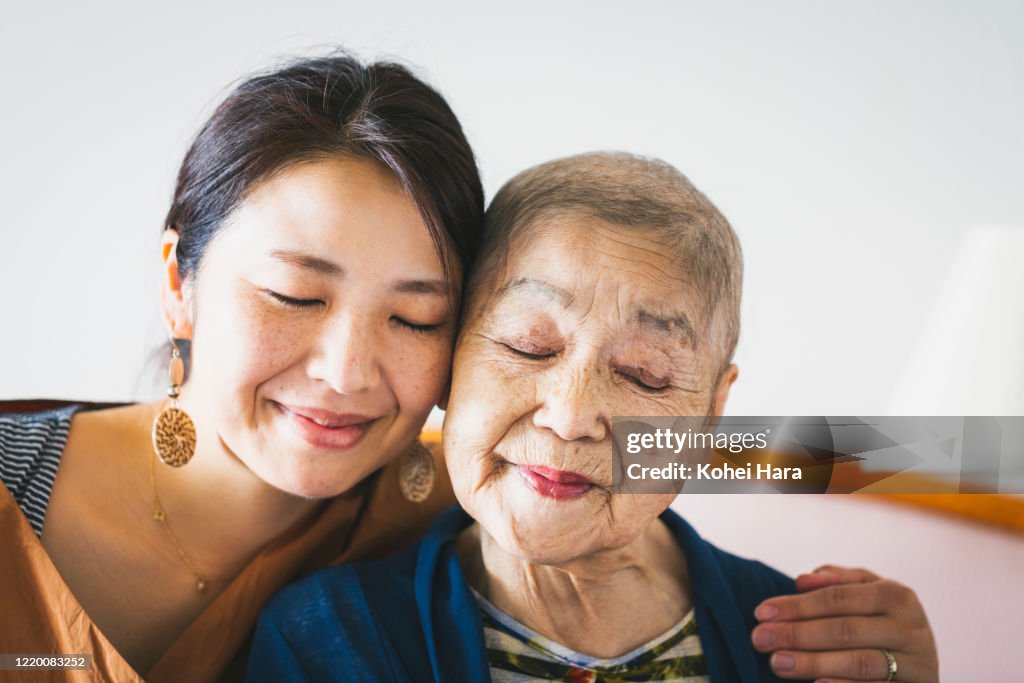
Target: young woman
[[312, 271], [312, 258]]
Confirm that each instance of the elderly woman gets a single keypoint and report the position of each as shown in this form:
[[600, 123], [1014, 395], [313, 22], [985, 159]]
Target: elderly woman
[[608, 286]]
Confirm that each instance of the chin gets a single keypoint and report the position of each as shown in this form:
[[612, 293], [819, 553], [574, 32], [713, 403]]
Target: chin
[[543, 548], [313, 491], [314, 483], [542, 534]]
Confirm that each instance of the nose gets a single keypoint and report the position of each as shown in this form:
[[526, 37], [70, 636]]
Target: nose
[[571, 404], [346, 356]]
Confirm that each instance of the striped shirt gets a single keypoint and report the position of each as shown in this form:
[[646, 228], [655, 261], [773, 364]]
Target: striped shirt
[[31, 446], [517, 654]]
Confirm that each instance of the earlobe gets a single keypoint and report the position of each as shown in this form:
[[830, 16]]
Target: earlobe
[[725, 381], [173, 301]]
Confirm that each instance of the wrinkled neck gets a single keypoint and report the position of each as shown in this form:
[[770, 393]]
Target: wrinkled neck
[[602, 605]]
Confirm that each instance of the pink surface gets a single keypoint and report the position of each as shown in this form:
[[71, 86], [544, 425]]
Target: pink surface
[[969, 576]]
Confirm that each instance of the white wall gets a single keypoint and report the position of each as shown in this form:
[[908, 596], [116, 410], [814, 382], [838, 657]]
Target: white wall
[[850, 143]]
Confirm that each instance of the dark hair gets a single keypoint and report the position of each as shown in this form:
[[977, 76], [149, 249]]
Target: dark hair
[[335, 105], [630, 191]]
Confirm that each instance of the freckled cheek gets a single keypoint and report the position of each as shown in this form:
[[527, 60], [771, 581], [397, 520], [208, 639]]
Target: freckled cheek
[[261, 346], [417, 372]]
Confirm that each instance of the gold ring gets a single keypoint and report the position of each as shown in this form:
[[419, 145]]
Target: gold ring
[[890, 663]]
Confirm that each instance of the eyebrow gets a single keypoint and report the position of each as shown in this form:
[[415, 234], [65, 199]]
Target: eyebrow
[[433, 287], [676, 325], [325, 267], [532, 286], [307, 261]]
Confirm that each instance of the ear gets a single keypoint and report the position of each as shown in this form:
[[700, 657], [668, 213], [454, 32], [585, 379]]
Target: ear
[[174, 301], [725, 381]]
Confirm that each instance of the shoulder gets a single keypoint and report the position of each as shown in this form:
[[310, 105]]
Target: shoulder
[[31, 447], [327, 627], [750, 581], [727, 589], [363, 588], [36, 431], [351, 621], [33, 431], [332, 599]]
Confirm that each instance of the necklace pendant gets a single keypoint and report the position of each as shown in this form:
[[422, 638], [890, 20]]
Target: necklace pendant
[[200, 585]]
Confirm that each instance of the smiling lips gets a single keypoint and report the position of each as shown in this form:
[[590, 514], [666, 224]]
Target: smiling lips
[[552, 483], [326, 429]]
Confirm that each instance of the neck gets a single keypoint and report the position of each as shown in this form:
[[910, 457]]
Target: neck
[[221, 512], [602, 605]]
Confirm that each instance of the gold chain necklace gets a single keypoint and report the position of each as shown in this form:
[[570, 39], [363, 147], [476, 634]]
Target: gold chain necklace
[[160, 515]]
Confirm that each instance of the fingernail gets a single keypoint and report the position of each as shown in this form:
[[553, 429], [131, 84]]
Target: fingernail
[[783, 662], [763, 637], [766, 612]]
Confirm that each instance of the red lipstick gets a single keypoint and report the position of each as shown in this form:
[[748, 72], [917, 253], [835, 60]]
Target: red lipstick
[[553, 483], [324, 428]]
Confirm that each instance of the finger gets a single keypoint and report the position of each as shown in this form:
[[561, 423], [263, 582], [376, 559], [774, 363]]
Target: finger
[[828, 575], [848, 665], [877, 597], [843, 633], [860, 571]]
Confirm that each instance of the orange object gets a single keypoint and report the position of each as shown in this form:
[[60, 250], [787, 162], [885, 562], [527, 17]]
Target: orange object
[[41, 615]]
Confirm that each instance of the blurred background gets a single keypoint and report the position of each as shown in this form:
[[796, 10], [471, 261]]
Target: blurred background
[[870, 156]]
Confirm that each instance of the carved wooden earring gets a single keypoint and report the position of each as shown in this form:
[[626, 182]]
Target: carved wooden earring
[[174, 434]]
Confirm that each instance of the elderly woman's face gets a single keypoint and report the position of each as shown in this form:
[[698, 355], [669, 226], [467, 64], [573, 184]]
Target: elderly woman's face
[[582, 322]]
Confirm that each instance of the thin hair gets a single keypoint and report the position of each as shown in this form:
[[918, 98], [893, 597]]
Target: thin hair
[[636, 192]]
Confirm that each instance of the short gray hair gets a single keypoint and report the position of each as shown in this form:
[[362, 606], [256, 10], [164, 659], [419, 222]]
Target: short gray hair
[[630, 191]]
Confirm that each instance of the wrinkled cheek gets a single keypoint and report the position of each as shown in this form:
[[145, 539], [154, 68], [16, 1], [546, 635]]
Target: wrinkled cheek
[[482, 409], [491, 397], [478, 477]]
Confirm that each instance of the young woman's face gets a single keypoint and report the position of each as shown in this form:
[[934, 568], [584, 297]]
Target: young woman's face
[[322, 327]]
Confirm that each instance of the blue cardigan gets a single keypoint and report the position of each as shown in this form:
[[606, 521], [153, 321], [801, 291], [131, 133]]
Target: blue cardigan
[[412, 617]]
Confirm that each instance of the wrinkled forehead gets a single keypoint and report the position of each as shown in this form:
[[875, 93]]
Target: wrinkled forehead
[[593, 268]]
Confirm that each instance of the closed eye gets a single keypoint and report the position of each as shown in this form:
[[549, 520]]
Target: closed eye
[[415, 327], [530, 352], [292, 302], [643, 379]]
